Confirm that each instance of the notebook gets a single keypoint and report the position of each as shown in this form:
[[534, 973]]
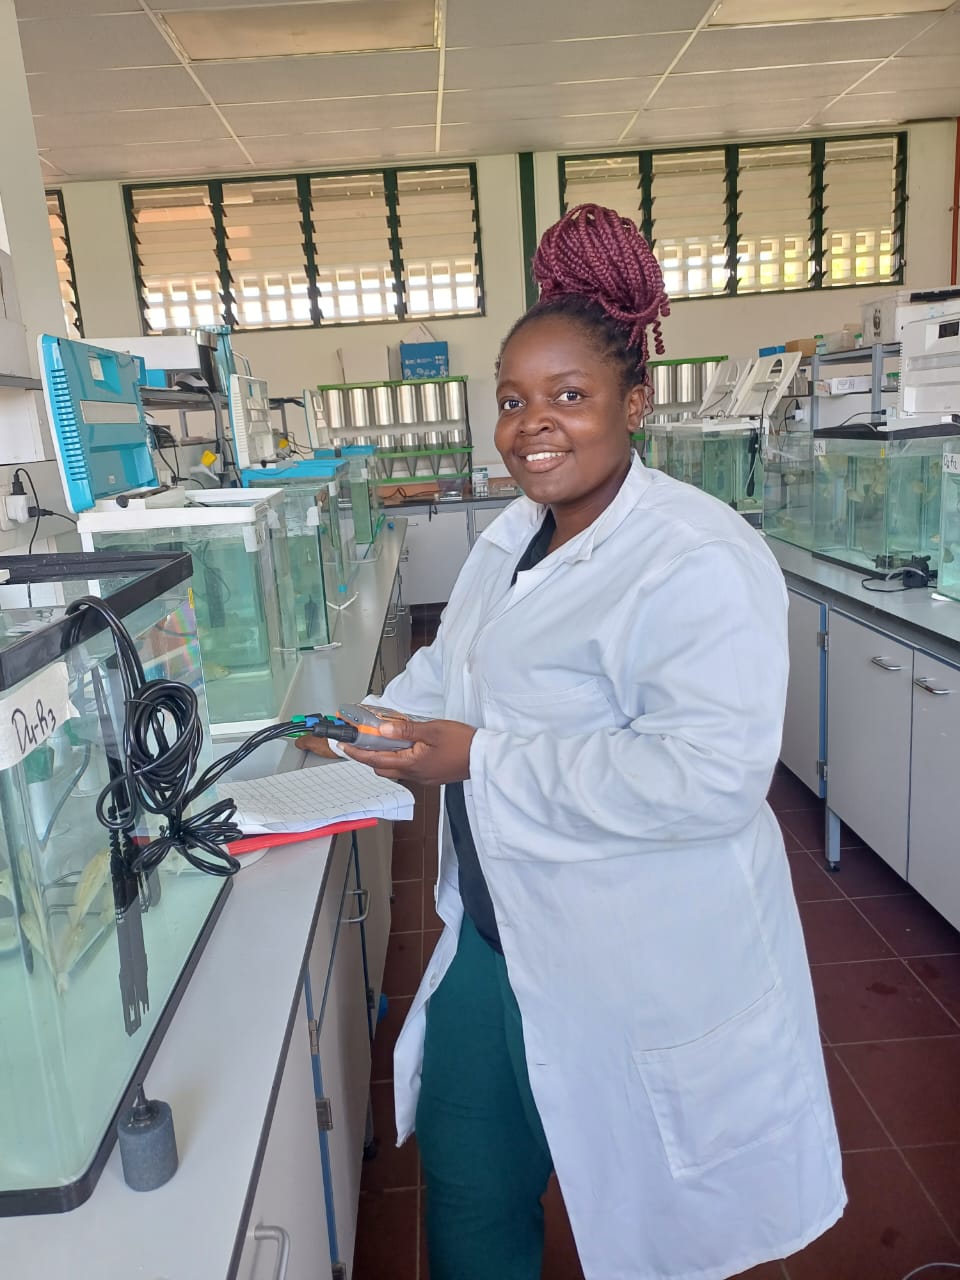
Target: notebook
[[308, 798]]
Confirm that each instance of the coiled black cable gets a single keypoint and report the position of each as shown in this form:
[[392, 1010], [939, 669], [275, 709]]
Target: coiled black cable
[[160, 750]]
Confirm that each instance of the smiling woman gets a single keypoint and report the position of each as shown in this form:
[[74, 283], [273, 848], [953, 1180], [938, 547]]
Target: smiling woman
[[621, 991]]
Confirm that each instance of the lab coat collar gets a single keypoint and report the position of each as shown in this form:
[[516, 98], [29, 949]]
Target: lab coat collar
[[513, 531]]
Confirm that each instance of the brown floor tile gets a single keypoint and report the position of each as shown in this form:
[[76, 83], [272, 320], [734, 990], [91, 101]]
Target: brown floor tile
[[388, 1028], [393, 1168], [430, 939], [401, 974], [787, 792], [938, 1168], [864, 874], [836, 931], [791, 842], [406, 910], [769, 1271], [386, 1236], [809, 828], [911, 926], [942, 975], [811, 881], [857, 1126], [875, 1000], [407, 863], [889, 1227], [912, 1086]]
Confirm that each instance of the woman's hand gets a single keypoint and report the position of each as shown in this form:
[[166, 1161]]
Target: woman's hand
[[316, 746], [440, 752]]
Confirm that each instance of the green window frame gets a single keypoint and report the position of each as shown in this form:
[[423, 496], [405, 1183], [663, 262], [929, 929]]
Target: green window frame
[[60, 236], [759, 217], [308, 250]]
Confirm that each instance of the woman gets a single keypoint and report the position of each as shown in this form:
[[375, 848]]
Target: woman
[[621, 991]]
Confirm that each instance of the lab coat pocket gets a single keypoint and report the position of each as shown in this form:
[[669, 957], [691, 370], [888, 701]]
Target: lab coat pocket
[[577, 708], [715, 1097]]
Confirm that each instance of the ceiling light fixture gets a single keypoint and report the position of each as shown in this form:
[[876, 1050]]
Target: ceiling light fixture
[[740, 13]]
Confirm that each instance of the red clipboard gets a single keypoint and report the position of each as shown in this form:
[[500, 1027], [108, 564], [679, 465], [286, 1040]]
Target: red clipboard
[[268, 840]]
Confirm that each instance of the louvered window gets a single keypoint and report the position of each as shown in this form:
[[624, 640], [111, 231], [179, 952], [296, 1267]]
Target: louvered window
[[859, 179], [439, 241], [774, 222], [61, 248], [689, 210], [175, 248], [264, 242], [351, 231], [309, 250], [761, 218], [612, 181]]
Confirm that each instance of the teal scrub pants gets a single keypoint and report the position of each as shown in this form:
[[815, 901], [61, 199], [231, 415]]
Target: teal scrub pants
[[485, 1157]]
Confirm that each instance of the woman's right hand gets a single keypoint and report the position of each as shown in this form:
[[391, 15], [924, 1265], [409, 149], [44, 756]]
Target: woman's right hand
[[316, 746]]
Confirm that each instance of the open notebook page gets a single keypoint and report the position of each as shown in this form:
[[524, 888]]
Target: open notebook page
[[308, 798]]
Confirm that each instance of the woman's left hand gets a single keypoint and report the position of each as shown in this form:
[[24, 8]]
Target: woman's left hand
[[440, 752]]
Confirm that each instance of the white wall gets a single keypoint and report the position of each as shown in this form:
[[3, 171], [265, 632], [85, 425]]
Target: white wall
[[291, 360]]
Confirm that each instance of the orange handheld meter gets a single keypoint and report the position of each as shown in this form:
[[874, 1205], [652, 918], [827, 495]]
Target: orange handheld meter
[[368, 720]]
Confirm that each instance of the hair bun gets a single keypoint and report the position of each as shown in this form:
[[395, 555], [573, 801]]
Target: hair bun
[[600, 255]]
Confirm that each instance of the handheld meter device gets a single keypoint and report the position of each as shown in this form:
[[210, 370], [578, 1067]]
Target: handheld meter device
[[367, 722]]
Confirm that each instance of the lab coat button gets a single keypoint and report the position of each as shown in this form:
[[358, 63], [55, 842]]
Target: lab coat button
[[433, 983]]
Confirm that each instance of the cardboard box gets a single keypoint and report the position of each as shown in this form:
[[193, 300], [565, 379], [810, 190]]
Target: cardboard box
[[846, 339], [364, 364], [424, 360], [806, 346], [844, 386]]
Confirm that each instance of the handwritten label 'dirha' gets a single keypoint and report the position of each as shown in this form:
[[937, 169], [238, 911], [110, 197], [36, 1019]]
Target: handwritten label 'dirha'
[[31, 712]]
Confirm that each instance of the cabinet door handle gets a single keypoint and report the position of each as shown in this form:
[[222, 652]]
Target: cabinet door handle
[[389, 631], [926, 684], [282, 1240], [363, 899], [886, 664]]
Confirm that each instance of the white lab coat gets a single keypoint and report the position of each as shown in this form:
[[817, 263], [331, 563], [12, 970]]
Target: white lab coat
[[629, 693]]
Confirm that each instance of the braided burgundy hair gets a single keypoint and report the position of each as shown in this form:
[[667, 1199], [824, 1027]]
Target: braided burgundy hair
[[595, 266]]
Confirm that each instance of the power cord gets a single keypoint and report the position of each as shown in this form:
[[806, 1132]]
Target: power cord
[[158, 754]]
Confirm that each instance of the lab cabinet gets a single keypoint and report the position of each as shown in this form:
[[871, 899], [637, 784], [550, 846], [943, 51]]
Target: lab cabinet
[[435, 549], [934, 865], [375, 857], [802, 750], [337, 999], [287, 1228], [869, 703]]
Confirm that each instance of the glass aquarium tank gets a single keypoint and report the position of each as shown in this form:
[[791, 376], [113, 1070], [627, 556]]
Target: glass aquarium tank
[[788, 487], [948, 583], [877, 497], [733, 467], [243, 588], [329, 476], [364, 493], [310, 554], [656, 451], [93, 955]]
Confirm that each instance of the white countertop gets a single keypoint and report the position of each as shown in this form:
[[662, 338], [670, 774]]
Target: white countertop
[[934, 623], [218, 1062]]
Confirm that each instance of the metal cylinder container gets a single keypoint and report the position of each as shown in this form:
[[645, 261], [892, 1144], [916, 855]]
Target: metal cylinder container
[[456, 435], [383, 410], [363, 440], [434, 441], [431, 409], [664, 383], [387, 441], [333, 408], [453, 401], [407, 403], [359, 407], [688, 383]]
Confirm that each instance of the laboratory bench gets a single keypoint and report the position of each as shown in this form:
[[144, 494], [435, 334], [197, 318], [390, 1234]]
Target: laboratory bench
[[872, 720], [266, 1062], [440, 536]]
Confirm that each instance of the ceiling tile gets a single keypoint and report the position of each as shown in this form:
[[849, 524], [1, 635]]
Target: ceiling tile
[[943, 38], [533, 135], [795, 45], [333, 76], [88, 44], [903, 75], [259, 119], [729, 121], [112, 90], [528, 64], [879, 108], [78, 8], [487, 24], [150, 159], [736, 12], [93, 128], [708, 88], [321, 150], [544, 101]]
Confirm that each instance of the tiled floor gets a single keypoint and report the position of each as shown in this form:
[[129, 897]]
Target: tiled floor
[[886, 970]]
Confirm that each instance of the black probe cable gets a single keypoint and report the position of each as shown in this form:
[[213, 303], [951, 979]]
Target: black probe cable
[[156, 770]]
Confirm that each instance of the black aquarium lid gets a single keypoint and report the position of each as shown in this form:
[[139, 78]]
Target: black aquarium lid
[[157, 571], [870, 431]]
